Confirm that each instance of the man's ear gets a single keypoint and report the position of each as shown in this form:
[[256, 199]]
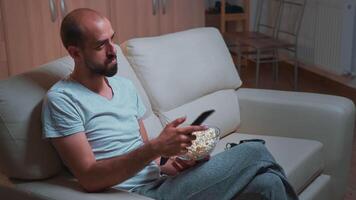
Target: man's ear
[[74, 52]]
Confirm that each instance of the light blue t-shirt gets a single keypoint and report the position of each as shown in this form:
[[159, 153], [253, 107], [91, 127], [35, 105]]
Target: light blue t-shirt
[[111, 126]]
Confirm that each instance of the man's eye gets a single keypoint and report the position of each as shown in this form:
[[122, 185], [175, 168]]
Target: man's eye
[[100, 46]]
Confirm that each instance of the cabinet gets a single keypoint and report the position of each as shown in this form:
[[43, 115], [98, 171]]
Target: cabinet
[[29, 29], [139, 18], [181, 15], [31, 33], [4, 72]]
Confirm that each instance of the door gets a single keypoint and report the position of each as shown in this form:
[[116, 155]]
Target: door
[[102, 6], [4, 72], [179, 15], [31, 32], [142, 18], [134, 18]]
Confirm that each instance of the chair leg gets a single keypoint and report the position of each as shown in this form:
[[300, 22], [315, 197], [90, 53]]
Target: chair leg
[[277, 71], [275, 65], [296, 75], [257, 67], [296, 66], [239, 60]]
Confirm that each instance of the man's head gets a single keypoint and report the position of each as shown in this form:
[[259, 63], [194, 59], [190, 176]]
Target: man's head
[[88, 37]]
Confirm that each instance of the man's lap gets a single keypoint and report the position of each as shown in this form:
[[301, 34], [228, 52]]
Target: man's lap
[[222, 177]]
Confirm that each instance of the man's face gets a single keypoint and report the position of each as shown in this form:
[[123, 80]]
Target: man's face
[[98, 51]]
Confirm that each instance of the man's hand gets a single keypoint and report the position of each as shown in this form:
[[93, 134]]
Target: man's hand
[[181, 165], [174, 140], [176, 165]]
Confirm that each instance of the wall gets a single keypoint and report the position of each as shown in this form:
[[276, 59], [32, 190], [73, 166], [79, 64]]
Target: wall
[[326, 35]]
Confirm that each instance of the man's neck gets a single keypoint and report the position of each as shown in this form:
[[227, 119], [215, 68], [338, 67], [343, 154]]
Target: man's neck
[[94, 82]]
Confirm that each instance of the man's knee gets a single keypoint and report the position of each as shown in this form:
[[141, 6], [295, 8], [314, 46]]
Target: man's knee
[[270, 181], [254, 151], [270, 186]]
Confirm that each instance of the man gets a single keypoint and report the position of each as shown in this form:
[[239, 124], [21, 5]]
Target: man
[[93, 119]]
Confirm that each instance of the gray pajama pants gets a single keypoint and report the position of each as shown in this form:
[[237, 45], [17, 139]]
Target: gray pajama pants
[[246, 171]]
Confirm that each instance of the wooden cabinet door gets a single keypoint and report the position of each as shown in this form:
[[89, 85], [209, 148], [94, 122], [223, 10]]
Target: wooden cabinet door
[[179, 15], [134, 18], [31, 37], [4, 71], [102, 6]]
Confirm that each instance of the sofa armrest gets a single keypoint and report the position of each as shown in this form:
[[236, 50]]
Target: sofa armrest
[[325, 118]]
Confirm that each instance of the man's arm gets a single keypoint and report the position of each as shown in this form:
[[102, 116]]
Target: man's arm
[[94, 175]]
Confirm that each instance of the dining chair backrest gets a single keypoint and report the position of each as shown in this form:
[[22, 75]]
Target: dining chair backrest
[[267, 16], [290, 20]]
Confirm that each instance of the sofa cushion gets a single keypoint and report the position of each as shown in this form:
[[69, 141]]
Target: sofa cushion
[[125, 70], [23, 153], [152, 123], [226, 116], [65, 187], [303, 170], [180, 67], [301, 159], [153, 126]]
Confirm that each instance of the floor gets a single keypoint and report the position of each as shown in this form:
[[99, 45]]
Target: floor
[[308, 82]]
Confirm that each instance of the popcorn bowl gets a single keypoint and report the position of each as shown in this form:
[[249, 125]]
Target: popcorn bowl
[[203, 145]]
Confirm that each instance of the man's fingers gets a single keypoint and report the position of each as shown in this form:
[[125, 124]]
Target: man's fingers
[[190, 129], [177, 122], [187, 138], [177, 167], [185, 163], [207, 158], [185, 145]]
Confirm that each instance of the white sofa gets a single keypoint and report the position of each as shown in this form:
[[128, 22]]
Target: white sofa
[[177, 74]]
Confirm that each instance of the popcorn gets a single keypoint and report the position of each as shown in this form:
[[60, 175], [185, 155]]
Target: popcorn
[[203, 145]]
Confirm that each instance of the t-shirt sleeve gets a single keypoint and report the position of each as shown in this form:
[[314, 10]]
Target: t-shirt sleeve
[[60, 116]]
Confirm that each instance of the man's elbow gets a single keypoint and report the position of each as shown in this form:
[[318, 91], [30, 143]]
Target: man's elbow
[[92, 187], [92, 183]]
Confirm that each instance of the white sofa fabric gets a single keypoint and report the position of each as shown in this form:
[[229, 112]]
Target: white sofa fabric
[[310, 135], [324, 118], [23, 154], [174, 68]]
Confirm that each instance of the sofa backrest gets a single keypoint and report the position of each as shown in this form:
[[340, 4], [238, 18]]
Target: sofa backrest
[[186, 73], [23, 152]]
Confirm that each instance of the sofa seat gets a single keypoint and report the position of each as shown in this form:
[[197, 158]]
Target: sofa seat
[[301, 159], [305, 169], [65, 187]]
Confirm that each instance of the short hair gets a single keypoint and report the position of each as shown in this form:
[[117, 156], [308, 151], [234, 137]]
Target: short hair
[[72, 33]]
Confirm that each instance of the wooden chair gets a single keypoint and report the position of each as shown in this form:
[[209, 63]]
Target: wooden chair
[[265, 46], [243, 18]]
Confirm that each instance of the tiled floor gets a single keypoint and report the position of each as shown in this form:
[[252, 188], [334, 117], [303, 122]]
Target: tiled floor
[[308, 82]]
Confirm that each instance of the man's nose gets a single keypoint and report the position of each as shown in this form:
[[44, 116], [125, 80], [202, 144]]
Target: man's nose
[[111, 48]]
